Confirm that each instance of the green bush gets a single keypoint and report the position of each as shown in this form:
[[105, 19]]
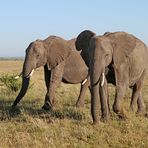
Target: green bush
[[10, 82]]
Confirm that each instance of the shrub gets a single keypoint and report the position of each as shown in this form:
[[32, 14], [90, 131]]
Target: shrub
[[10, 82]]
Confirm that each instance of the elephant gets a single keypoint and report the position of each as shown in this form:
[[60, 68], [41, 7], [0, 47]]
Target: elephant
[[118, 58], [61, 61]]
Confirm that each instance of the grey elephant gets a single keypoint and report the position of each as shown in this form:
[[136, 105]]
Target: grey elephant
[[124, 59], [61, 61]]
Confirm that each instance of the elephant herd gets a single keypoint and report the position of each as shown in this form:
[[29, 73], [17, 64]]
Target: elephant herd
[[93, 61]]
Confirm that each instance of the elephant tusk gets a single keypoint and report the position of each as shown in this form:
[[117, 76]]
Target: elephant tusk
[[18, 76], [102, 83], [84, 81], [30, 74]]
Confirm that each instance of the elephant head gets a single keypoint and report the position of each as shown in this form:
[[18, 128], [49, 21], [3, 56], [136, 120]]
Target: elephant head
[[87, 41], [50, 52], [101, 52]]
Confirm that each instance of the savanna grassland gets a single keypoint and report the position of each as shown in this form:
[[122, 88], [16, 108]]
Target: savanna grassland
[[67, 126]]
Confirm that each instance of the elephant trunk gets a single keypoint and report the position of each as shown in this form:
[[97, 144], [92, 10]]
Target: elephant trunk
[[28, 69], [95, 102], [97, 80], [25, 84]]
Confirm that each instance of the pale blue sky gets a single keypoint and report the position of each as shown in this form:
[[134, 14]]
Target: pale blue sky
[[23, 21]]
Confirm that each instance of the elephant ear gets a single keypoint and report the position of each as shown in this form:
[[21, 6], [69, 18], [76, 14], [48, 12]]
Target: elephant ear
[[57, 50], [82, 41]]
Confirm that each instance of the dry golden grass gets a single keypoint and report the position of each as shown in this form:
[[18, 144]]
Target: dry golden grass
[[68, 126]]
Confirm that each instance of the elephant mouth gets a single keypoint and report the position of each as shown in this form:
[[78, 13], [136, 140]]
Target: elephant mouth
[[103, 79], [30, 74]]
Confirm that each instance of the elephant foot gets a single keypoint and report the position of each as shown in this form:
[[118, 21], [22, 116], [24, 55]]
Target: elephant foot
[[47, 107], [132, 108], [120, 113], [95, 123], [116, 109], [80, 104], [122, 116], [105, 118], [142, 112]]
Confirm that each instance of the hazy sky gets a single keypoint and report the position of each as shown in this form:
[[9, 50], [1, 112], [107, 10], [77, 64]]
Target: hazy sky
[[23, 21]]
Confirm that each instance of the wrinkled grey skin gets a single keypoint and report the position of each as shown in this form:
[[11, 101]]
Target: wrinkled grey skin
[[121, 56], [61, 61]]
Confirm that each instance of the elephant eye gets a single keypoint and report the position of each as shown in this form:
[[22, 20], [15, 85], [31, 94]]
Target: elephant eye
[[107, 55], [37, 55]]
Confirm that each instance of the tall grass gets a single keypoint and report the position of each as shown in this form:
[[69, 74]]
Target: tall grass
[[67, 126]]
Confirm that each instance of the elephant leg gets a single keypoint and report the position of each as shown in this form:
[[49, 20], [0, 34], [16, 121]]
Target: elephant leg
[[136, 95], [80, 101], [55, 79], [122, 83], [120, 92], [104, 99], [47, 76], [141, 106]]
